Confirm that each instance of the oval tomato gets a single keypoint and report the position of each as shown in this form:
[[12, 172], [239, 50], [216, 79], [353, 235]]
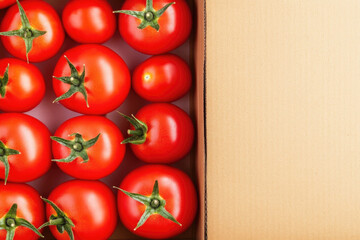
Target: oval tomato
[[25, 144], [163, 133], [89, 21], [22, 85], [89, 205], [29, 207], [155, 29], [162, 78], [170, 198], [42, 18], [6, 3], [99, 77], [98, 142]]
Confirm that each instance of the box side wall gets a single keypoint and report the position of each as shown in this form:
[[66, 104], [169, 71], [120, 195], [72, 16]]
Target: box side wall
[[200, 114]]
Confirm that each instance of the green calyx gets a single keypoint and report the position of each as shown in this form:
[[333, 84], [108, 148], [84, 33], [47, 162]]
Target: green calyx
[[4, 81], [10, 222], [26, 32], [4, 153], [78, 147], [155, 204], [60, 220], [148, 17], [137, 136], [76, 82]]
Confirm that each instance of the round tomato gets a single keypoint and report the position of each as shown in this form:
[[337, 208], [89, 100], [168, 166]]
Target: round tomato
[[22, 86], [24, 147], [163, 133], [157, 28], [87, 209], [168, 201], [93, 152], [162, 78], [25, 204], [91, 79], [6, 3], [39, 36], [89, 21]]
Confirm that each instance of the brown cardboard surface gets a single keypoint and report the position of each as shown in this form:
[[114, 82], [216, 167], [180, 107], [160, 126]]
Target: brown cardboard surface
[[283, 119]]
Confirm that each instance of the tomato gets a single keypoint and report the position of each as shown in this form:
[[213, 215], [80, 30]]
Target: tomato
[[102, 158], [22, 85], [163, 133], [25, 145], [99, 89], [6, 3], [88, 210], [162, 78], [156, 28], [29, 208], [89, 21], [43, 23], [162, 187]]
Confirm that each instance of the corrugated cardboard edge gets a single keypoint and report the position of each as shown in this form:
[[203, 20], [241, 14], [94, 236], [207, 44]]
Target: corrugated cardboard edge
[[200, 109]]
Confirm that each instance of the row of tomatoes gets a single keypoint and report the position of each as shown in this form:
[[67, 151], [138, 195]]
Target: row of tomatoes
[[93, 79], [91, 147], [149, 27], [159, 202]]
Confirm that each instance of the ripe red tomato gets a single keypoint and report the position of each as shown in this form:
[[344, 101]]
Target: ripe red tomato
[[41, 17], [164, 133], [104, 156], [162, 78], [23, 85], [6, 3], [174, 186], [153, 30], [29, 207], [31, 138], [89, 21], [106, 81], [90, 206]]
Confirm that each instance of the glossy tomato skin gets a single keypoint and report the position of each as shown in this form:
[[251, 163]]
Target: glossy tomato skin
[[104, 157], [107, 79], [175, 187], [30, 207], [90, 205], [170, 133], [42, 16], [89, 21], [175, 27], [30, 137], [162, 78], [25, 88], [6, 3]]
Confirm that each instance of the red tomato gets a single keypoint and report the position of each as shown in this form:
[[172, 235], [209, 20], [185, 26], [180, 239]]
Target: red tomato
[[174, 25], [107, 79], [89, 21], [169, 135], [42, 17], [163, 78], [6, 3], [90, 205], [103, 157], [30, 208], [32, 139], [25, 87], [174, 186]]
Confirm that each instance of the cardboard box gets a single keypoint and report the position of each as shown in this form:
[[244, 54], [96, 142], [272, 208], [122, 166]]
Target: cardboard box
[[53, 115]]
